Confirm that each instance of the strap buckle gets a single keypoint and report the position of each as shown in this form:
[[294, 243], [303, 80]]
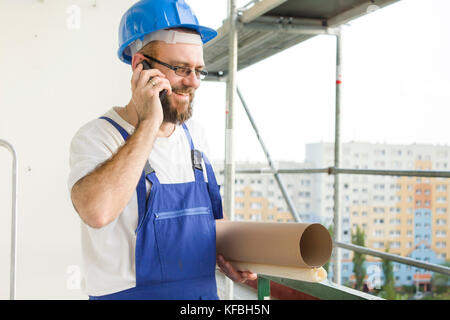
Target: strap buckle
[[148, 168], [196, 157]]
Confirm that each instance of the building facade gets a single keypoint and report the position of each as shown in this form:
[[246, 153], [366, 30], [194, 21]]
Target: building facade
[[408, 216]]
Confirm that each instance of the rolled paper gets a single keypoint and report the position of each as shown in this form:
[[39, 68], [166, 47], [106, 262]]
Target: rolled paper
[[291, 250]]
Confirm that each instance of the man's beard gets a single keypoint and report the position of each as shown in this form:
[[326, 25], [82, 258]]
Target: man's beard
[[171, 113]]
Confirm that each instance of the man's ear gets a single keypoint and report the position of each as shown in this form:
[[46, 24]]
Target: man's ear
[[137, 58]]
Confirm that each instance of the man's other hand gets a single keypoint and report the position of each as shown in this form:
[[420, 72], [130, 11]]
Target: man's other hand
[[232, 273]]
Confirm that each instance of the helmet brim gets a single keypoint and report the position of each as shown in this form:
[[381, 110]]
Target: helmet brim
[[205, 33]]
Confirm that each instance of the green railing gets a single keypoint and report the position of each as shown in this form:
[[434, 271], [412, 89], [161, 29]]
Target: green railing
[[324, 290]]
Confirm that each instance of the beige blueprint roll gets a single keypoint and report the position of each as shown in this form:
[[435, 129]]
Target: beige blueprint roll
[[276, 248]]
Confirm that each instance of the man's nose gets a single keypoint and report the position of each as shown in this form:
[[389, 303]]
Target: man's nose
[[191, 80]]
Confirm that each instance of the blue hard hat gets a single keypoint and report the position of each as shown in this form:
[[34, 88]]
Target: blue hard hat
[[147, 16]]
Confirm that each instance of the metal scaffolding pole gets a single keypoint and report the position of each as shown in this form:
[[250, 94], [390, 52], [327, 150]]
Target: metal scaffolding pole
[[337, 156], [12, 279], [229, 125], [280, 182], [333, 171]]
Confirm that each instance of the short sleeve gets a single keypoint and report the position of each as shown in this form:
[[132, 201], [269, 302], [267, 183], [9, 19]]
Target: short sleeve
[[91, 146]]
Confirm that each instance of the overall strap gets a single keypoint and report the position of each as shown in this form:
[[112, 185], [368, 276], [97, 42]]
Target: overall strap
[[213, 189], [196, 156], [148, 171], [122, 131]]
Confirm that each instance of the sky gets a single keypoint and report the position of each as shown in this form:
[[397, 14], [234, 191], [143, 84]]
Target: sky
[[395, 89]]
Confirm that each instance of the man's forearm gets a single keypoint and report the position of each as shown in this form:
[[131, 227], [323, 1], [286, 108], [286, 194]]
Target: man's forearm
[[101, 196]]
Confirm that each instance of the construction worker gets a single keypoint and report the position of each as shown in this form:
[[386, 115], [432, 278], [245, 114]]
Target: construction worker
[[140, 179]]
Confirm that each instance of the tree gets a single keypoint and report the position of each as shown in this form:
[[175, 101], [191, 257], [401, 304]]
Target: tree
[[388, 288], [358, 238], [440, 282]]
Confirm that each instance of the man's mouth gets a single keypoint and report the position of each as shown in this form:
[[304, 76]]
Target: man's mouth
[[182, 95]]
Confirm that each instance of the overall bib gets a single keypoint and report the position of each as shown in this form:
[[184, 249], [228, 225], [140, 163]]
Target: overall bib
[[175, 254]]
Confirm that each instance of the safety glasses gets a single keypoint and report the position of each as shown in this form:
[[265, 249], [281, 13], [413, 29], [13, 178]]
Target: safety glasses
[[181, 71]]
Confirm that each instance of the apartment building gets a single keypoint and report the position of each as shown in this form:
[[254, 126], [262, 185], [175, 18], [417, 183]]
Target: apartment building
[[258, 196], [408, 216]]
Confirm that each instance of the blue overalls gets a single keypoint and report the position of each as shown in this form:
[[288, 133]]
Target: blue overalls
[[175, 254]]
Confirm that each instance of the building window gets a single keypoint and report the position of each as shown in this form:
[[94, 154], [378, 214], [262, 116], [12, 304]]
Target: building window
[[441, 233], [394, 244], [255, 205], [379, 233], [305, 182], [378, 210], [394, 233], [256, 194], [379, 244], [239, 205], [441, 199], [239, 193], [441, 244], [255, 217], [394, 210]]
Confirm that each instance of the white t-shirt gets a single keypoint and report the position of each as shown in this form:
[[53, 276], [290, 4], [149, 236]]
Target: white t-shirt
[[108, 253]]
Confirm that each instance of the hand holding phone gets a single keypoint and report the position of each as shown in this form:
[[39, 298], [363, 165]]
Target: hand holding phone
[[147, 93], [147, 66]]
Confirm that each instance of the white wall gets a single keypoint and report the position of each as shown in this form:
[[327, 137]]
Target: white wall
[[53, 79], [58, 70]]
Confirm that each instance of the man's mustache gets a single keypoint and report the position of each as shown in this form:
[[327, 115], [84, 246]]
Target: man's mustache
[[184, 90]]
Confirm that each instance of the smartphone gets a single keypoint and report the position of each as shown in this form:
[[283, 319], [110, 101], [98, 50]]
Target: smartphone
[[147, 66]]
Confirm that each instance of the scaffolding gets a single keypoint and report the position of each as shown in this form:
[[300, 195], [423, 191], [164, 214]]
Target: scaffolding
[[263, 28]]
